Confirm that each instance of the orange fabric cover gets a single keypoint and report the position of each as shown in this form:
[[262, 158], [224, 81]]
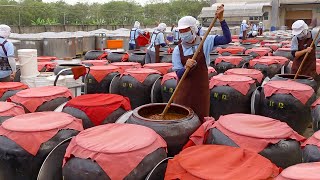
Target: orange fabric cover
[[99, 106], [10, 109], [78, 72], [168, 76], [126, 65], [239, 83], [253, 73], [95, 62], [303, 171], [140, 74], [31, 130], [282, 60], [46, 58], [264, 61], [300, 91], [219, 163], [11, 86], [235, 60], [313, 140], [117, 148], [259, 51], [248, 131], [161, 67], [49, 66], [100, 72], [35, 97]]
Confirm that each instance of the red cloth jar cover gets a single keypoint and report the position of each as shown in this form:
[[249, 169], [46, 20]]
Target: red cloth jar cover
[[100, 72], [287, 46], [235, 36], [284, 49], [268, 41], [10, 109], [166, 77], [317, 102], [11, 86], [252, 41], [273, 46], [285, 42], [235, 60], [31, 130], [35, 97], [300, 91], [313, 140], [248, 131], [46, 58], [253, 73], [260, 51], [282, 60], [219, 163], [49, 65], [318, 67], [264, 61], [140, 74], [232, 50], [236, 47], [161, 67], [99, 106], [239, 83], [211, 70], [117, 148], [318, 60], [96, 62], [126, 65], [303, 171]]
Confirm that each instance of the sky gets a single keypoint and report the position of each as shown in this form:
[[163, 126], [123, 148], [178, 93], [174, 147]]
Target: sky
[[103, 1]]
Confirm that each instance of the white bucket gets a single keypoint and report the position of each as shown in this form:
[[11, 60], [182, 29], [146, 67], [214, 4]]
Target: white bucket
[[28, 62], [61, 81]]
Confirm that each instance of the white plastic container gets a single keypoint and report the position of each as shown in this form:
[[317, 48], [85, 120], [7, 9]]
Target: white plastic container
[[28, 63], [61, 81], [30, 81]]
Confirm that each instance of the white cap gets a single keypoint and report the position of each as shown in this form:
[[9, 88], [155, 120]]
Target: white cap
[[187, 21], [254, 33], [5, 31], [298, 27], [244, 21], [136, 24], [162, 27]]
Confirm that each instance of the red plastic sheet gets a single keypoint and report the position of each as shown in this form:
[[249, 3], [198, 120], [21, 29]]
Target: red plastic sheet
[[117, 148], [31, 130], [211, 70], [282, 60], [46, 58], [10, 109], [166, 77], [273, 46], [140, 74], [35, 97], [263, 61], [235, 60], [248, 131], [143, 40], [260, 51], [96, 62], [99, 106], [268, 41], [232, 50], [49, 66], [219, 162], [253, 73], [239, 83], [313, 140], [304, 171], [126, 65], [100, 72], [10, 86], [300, 91], [161, 67], [252, 41]]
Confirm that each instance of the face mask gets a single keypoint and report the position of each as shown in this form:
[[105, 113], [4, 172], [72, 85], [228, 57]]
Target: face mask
[[187, 37], [303, 34]]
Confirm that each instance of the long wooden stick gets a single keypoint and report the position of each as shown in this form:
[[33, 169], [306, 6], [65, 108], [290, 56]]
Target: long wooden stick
[[188, 69], [306, 55]]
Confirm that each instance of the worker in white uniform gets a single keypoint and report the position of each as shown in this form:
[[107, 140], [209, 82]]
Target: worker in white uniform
[[157, 40], [7, 61]]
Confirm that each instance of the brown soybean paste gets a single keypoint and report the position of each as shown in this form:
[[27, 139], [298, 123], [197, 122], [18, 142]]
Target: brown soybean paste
[[168, 116]]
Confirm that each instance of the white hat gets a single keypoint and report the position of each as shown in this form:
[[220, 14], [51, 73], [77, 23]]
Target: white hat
[[136, 24], [298, 27], [5, 31], [162, 27], [254, 33], [244, 21], [187, 21]]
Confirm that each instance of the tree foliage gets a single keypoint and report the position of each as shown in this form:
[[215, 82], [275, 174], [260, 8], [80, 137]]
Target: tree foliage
[[36, 12]]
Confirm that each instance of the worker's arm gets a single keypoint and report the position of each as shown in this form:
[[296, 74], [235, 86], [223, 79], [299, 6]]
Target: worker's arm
[[10, 53], [176, 62], [226, 38], [294, 48]]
